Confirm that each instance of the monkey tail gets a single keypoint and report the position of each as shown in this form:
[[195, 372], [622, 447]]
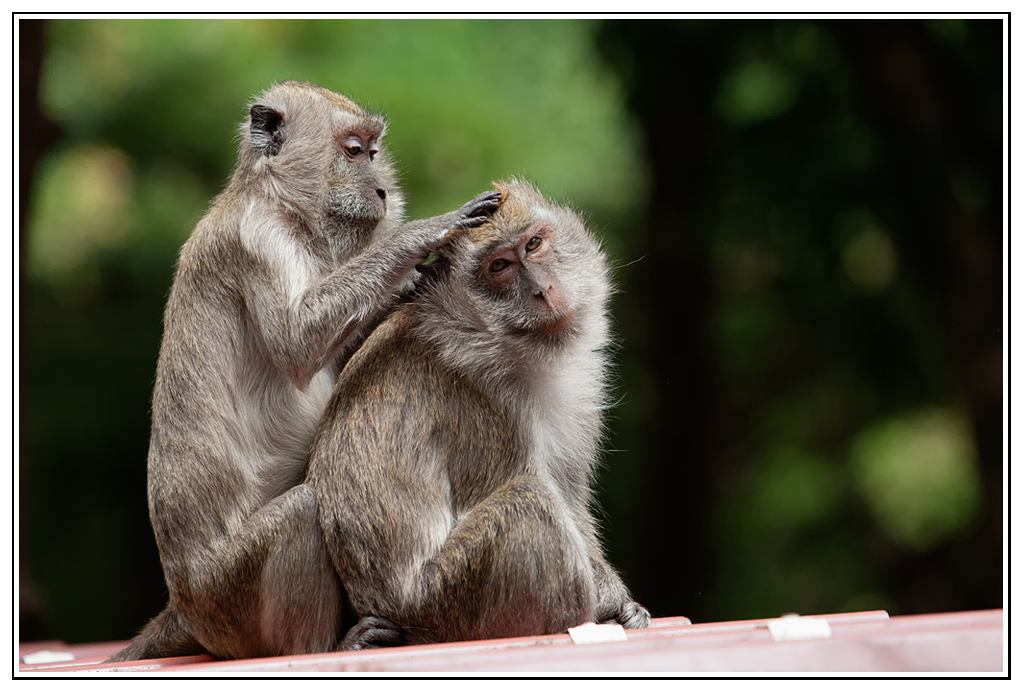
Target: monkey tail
[[166, 635]]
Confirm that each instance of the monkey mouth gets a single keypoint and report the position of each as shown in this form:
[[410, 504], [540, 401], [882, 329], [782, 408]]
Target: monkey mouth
[[361, 212], [363, 215], [555, 323]]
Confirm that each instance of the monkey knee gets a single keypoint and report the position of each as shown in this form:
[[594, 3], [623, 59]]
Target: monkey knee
[[560, 578]]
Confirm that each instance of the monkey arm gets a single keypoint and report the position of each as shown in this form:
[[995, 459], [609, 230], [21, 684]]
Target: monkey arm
[[473, 213], [305, 319], [614, 604], [368, 284], [303, 323]]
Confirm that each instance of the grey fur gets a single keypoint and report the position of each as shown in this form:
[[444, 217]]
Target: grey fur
[[454, 464], [296, 260]]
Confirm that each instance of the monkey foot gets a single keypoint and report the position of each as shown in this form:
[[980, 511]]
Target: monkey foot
[[373, 632]]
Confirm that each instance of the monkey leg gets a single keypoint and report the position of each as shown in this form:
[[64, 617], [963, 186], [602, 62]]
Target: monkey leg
[[268, 590], [516, 564]]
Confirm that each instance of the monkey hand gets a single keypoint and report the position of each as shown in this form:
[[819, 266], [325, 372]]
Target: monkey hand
[[421, 237], [373, 632], [477, 210], [631, 615]]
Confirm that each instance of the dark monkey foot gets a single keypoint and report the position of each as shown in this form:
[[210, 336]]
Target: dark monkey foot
[[373, 632]]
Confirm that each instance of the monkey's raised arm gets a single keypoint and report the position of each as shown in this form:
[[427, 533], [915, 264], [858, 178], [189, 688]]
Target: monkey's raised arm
[[305, 320]]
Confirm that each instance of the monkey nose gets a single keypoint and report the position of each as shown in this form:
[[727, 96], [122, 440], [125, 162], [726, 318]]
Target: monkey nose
[[550, 298], [545, 297]]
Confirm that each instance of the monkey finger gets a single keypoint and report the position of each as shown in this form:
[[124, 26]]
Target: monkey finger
[[484, 203], [489, 196], [469, 222]]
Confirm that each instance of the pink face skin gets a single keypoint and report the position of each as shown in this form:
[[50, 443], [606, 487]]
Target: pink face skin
[[521, 265]]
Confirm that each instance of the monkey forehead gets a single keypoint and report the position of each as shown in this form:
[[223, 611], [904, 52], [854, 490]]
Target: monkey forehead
[[513, 214], [308, 88], [522, 207], [517, 215], [369, 127], [344, 112], [343, 103]]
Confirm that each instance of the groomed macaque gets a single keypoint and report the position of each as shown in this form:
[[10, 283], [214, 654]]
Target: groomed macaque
[[454, 464], [296, 260]]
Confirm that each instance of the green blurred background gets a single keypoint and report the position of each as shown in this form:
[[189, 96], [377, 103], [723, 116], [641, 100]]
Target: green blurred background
[[806, 220]]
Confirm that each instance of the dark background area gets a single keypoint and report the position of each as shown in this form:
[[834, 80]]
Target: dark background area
[[807, 221]]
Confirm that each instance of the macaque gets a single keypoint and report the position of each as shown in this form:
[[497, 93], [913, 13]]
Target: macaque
[[295, 262], [453, 467]]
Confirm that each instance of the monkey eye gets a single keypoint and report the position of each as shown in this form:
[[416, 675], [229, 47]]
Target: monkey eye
[[374, 150], [533, 244], [499, 265], [353, 147]]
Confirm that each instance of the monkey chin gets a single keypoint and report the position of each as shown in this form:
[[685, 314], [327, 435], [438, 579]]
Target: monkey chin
[[359, 225], [359, 212]]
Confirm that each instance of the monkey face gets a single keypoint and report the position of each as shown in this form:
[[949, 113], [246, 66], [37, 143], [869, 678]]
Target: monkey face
[[531, 272], [524, 274], [360, 178], [358, 193]]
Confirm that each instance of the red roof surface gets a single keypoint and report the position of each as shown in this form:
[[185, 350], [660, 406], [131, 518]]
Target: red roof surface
[[868, 641]]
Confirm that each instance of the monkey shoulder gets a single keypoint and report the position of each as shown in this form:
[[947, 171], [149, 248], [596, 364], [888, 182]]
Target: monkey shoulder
[[211, 260], [386, 376], [387, 344], [244, 245], [417, 405]]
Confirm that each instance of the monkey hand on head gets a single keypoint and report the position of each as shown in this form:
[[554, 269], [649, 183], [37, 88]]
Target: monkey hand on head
[[453, 467], [296, 260]]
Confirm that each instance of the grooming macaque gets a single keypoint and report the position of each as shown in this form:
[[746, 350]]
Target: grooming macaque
[[296, 260], [454, 464]]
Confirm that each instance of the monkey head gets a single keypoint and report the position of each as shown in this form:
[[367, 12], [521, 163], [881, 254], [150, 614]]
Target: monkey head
[[323, 157], [530, 280]]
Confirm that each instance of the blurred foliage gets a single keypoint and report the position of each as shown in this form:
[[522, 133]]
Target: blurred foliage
[[806, 220], [817, 321], [918, 474]]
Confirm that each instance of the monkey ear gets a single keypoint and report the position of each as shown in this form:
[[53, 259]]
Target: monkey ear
[[266, 129]]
